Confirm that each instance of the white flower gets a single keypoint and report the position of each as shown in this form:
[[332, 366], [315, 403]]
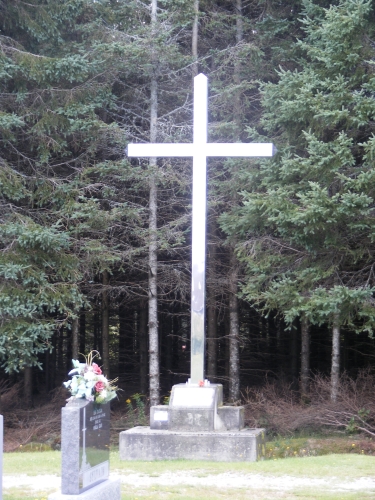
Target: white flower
[[84, 378]]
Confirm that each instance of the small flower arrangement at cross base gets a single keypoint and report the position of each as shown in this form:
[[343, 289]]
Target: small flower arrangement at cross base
[[89, 383]]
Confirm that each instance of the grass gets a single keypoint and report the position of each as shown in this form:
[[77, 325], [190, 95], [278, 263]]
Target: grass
[[315, 446], [33, 463], [193, 493], [327, 465], [342, 468]]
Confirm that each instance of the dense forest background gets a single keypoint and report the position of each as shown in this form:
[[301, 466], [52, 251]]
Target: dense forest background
[[95, 247]]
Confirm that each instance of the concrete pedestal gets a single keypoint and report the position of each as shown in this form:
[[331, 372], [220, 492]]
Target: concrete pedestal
[[107, 490], [197, 409], [143, 443]]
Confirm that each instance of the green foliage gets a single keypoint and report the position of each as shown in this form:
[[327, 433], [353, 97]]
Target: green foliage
[[37, 282], [75, 88], [306, 222], [74, 81], [136, 413], [50, 131]]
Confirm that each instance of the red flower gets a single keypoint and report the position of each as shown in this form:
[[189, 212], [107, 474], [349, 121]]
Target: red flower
[[99, 386], [201, 383], [96, 369]]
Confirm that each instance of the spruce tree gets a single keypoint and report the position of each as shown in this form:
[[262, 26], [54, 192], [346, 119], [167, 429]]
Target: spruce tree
[[306, 222], [52, 95]]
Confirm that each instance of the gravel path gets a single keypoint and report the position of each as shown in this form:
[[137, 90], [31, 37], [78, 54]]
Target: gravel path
[[225, 480]]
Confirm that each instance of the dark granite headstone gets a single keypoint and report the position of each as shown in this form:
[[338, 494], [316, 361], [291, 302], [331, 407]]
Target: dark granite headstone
[[84, 445]]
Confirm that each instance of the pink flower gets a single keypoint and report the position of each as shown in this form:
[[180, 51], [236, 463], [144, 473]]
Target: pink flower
[[99, 386], [96, 369]]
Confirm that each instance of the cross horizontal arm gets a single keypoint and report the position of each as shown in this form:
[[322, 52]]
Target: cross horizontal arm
[[163, 150], [239, 149], [168, 150]]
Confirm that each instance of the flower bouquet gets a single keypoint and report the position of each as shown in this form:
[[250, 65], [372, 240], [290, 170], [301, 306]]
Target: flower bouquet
[[89, 383]]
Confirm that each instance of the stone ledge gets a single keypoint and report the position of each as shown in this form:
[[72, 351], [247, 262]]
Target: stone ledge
[[143, 443], [107, 490], [233, 417], [226, 418]]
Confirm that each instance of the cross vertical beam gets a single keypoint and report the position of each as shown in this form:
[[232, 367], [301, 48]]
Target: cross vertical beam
[[198, 278], [199, 149]]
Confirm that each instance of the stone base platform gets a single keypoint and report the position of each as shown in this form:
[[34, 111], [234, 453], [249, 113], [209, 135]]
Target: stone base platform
[[107, 490], [143, 443]]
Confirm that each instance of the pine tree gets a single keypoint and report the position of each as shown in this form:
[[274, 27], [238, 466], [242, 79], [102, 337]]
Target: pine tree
[[51, 131], [306, 222]]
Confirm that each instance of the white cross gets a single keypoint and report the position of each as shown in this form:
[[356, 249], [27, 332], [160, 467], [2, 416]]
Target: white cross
[[199, 150]]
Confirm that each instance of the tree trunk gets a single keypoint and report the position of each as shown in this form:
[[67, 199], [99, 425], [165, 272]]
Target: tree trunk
[[75, 338], [97, 337], [46, 370], [143, 347], [152, 298], [105, 324], [194, 39], [28, 386], [211, 337], [82, 332], [344, 352], [60, 356], [128, 321], [168, 348], [176, 343], [237, 70], [293, 358], [239, 22], [122, 344], [234, 348], [211, 305], [305, 358], [153, 246], [335, 368], [227, 347], [53, 372], [68, 350]]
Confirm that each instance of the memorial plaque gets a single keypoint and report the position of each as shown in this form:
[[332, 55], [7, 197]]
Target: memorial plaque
[[162, 416], [159, 417], [94, 444], [194, 397], [84, 445], [190, 396]]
